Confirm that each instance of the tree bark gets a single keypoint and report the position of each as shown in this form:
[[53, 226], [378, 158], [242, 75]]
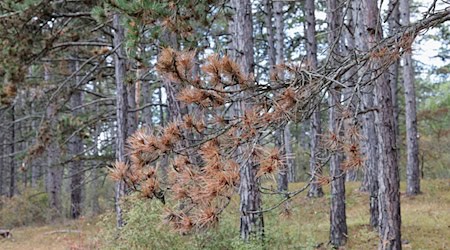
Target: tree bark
[[316, 126], [132, 117], [394, 25], [12, 150], [54, 172], [241, 27], [369, 141], [36, 164], [288, 173], [75, 151], [147, 97], [338, 224], [412, 142], [388, 174], [121, 108], [2, 156]]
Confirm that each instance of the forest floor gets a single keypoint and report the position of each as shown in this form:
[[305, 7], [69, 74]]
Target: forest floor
[[425, 224]]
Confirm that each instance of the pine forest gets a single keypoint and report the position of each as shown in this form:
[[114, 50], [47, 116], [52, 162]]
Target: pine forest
[[224, 124]]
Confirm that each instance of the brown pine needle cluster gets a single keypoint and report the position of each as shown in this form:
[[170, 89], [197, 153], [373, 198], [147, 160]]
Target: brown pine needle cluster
[[352, 150], [223, 72], [119, 171], [270, 161], [176, 66], [206, 148], [322, 180], [332, 142]]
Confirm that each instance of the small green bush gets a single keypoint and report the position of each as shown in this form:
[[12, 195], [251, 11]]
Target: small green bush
[[31, 207], [144, 229]]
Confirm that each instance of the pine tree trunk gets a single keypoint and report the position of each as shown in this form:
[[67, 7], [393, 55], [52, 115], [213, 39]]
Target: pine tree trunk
[[147, 97], [316, 126], [75, 151], [291, 166], [54, 172], [2, 156], [394, 23], [12, 150], [412, 142], [287, 173], [95, 183], [273, 57], [34, 162], [241, 28], [388, 173], [132, 117], [121, 109], [271, 52], [350, 79], [338, 223], [369, 137]]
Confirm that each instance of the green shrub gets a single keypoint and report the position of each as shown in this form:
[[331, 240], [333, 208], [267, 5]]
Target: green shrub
[[31, 207], [144, 229]]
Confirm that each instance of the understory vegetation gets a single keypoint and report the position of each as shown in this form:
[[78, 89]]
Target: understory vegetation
[[425, 222]]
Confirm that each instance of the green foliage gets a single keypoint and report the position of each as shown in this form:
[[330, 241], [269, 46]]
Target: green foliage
[[434, 128], [144, 229], [29, 208]]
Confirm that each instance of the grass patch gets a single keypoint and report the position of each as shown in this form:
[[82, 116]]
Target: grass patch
[[425, 225]]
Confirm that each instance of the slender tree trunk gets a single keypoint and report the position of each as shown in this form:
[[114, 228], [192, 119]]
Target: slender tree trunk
[[251, 224], [161, 108], [2, 156], [273, 56], [132, 117], [95, 183], [287, 174], [394, 24], [338, 224], [350, 77], [147, 97], [271, 52], [412, 142], [369, 142], [12, 150], [121, 109], [75, 151], [54, 172], [388, 174], [35, 163], [291, 166], [316, 126]]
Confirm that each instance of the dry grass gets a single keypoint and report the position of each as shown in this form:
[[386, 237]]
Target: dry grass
[[425, 225], [425, 219], [68, 235]]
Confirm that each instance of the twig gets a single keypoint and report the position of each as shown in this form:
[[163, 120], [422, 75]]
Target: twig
[[63, 231]]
